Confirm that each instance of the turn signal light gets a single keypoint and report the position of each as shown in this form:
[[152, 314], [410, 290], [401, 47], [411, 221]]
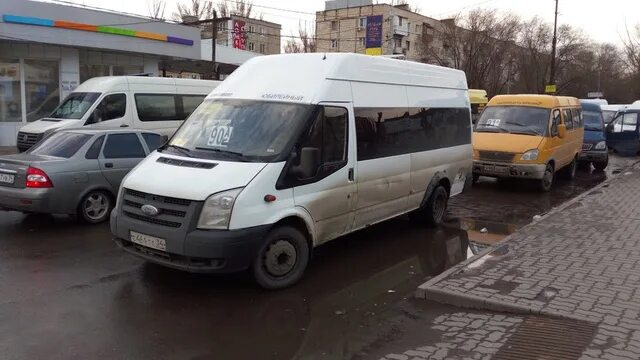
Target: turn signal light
[[37, 178]]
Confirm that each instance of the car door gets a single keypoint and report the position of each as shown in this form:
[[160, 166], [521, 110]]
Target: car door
[[567, 148], [329, 194], [111, 112], [622, 133], [122, 151]]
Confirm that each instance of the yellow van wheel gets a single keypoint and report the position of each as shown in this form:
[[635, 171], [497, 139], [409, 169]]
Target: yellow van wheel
[[547, 180]]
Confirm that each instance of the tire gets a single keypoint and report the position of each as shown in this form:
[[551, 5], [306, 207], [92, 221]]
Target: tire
[[436, 207], [282, 260], [601, 165], [475, 178], [95, 207], [546, 182], [569, 172]]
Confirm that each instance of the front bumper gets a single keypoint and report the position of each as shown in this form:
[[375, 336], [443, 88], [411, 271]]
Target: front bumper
[[203, 251], [508, 170], [26, 200], [593, 156]]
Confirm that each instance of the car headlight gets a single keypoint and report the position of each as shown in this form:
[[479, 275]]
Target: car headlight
[[119, 197], [530, 155], [216, 211], [601, 145]]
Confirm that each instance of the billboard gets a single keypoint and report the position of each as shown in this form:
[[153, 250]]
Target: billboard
[[239, 41], [373, 40]]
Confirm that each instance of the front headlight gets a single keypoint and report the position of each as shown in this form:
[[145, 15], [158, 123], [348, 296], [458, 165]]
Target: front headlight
[[530, 155], [216, 211], [601, 145], [119, 197]]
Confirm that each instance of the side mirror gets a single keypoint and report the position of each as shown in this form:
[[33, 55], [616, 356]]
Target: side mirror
[[309, 163], [562, 131]]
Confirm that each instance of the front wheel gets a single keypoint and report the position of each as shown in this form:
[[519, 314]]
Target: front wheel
[[283, 258], [601, 165], [95, 207], [569, 172], [547, 180]]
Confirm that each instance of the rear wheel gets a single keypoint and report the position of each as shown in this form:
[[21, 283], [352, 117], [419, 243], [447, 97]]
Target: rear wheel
[[601, 165], [547, 180], [283, 258], [569, 172], [436, 206], [476, 177], [95, 207]]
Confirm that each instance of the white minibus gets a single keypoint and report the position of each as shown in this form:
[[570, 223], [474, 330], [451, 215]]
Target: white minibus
[[292, 151], [140, 102]]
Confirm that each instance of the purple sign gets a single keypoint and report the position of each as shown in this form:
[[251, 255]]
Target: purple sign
[[374, 31]]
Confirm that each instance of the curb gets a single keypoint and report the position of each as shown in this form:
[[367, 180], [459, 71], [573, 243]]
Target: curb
[[429, 292]]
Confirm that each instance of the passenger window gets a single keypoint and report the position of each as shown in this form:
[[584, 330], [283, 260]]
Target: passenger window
[[123, 146], [329, 134], [615, 126], [153, 141], [157, 107], [94, 150], [111, 107], [630, 122], [554, 122], [568, 118], [578, 120], [190, 103]]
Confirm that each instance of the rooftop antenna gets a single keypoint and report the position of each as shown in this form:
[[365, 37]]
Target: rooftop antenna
[[324, 57]]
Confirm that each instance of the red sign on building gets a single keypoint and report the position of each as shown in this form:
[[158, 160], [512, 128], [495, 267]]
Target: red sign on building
[[238, 34]]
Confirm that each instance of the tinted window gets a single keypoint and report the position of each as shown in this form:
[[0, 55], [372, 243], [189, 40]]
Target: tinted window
[[568, 118], [592, 120], [190, 103], [153, 141], [157, 107], [111, 107], [329, 134], [74, 106], [578, 119], [389, 132], [94, 150], [61, 144], [119, 146]]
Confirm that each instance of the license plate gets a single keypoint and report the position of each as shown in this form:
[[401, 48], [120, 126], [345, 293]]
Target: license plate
[[7, 179], [489, 168], [148, 241]]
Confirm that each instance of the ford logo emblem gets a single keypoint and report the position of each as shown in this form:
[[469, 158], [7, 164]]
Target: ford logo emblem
[[150, 210]]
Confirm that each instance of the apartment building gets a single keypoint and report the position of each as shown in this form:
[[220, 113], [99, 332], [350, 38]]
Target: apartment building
[[376, 29], [250, 34]]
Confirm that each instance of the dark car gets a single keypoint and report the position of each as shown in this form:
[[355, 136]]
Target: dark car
[[623, 133], [594, 145], [73, 172]]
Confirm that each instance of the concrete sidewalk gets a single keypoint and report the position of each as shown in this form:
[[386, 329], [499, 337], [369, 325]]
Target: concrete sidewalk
[[6, 150], [571, 280]]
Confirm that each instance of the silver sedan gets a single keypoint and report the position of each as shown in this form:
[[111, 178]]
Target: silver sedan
[[73, 172]]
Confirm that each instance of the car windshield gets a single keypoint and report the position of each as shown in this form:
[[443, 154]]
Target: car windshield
[[74, 106], [514, 119], [608, 115], [592, 121], [60, 144], [240, 130]]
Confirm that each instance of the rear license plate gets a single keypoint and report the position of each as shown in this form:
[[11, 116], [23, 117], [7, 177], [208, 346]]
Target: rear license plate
[[7, 179], [148, 241]]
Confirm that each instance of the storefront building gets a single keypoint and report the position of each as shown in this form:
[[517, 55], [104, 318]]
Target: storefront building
[[48, 49]]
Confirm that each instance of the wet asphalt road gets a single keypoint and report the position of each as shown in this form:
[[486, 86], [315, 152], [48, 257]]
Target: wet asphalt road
[[67, 292]]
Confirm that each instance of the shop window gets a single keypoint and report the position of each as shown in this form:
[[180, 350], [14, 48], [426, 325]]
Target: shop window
[[41, 88], [334, 43], [90, 71], [334, 25], [10, 99]]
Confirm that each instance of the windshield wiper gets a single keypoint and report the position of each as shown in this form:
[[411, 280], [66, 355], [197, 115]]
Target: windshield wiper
[[492, 129], [524, 126], [183, 150], [222, 151]]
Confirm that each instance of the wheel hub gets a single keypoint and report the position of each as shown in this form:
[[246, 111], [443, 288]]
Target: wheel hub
[[280, 258]]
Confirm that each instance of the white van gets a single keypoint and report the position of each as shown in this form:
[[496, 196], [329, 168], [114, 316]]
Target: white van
[[150, 103], [292, 151]]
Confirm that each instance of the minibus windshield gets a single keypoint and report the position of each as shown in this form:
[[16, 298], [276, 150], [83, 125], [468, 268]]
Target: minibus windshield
[[75, 106], [592, 121], [240, 130], [514, 119], [608, 115]]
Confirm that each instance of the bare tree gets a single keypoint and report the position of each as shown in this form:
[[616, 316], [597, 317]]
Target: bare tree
[[305, 42], [631, 48], [200, 9], [156, 9], [242, 8]]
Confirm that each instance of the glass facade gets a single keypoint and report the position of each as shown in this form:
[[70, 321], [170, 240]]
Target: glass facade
[[42, 90], [90, 71], [10, 97]]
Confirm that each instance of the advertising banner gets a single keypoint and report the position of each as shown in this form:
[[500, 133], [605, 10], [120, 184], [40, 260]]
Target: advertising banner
[[238, 34], [374, 32]]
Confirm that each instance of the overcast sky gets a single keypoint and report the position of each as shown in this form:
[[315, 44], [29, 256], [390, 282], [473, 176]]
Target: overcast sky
[[603, 21]]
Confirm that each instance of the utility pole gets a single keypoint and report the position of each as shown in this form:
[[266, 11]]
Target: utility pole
[[214, 38], [552, 78]]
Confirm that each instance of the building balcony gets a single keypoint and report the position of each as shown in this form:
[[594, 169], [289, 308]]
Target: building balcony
[[401, 30]]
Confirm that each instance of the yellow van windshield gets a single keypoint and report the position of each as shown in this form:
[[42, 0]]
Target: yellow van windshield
[[514, 119]]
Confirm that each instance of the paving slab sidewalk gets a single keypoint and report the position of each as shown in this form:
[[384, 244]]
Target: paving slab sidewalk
[[580, 263]]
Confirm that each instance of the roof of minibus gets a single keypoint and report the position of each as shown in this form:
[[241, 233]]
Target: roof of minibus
[[478, 96], [543, 101], [306, 78], [110, 83]]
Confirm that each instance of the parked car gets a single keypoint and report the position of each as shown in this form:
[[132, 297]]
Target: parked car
[[610, 111], [275, 163], [623, 135], [478, 99], [140, 102], [594, 145], [75, 171], [528, 137]]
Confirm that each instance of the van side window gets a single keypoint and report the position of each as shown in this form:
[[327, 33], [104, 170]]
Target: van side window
[[113, 106], [190, 103], [578, 120], [329, 134], [123, 146], [568, 118], [94, 150], [157, 107]]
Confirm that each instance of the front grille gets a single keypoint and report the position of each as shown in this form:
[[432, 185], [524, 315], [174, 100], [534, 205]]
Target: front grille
[[172, 212], [586, 147], [496, 156], [27, 140], [152, 220]]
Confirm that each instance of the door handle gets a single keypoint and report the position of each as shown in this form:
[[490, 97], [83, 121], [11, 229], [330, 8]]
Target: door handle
[[124, 125], [108, 165], [351, 174]]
